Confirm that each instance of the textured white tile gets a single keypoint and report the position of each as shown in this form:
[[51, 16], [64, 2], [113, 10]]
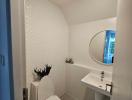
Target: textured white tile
[[46, 41]]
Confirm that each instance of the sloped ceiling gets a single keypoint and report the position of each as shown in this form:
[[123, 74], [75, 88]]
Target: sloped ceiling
[[62, 3], [80, 11]]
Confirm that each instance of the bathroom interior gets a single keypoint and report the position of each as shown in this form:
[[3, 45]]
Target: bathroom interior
[[69, 50], [60, 30]]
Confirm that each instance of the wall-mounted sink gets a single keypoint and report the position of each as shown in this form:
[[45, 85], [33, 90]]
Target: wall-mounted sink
[[94, 82]]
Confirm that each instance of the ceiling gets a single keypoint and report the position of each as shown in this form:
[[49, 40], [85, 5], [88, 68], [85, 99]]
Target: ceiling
[[80, 11], [62, 3]]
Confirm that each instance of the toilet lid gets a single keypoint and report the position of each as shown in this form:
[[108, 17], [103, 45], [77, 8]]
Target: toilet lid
[[54, 97]]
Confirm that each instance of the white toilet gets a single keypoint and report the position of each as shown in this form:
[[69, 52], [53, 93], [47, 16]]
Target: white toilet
[[43, 90]]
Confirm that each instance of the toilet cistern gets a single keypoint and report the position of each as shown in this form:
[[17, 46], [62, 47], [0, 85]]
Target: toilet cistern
[[43, 90]]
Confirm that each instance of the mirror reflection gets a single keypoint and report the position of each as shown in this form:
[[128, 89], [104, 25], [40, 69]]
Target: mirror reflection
[[102, 47]]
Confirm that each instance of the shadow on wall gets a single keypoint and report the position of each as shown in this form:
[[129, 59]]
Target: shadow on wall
[[46, 35], [80, 37], [74, 88]]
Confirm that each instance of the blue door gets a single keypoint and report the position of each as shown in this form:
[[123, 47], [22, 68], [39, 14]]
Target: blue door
[[6, 80]]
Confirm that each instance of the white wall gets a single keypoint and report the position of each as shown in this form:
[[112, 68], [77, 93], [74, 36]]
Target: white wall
[[18, 47], [46, 41], [80, 37], [123, 59], [74, 87]]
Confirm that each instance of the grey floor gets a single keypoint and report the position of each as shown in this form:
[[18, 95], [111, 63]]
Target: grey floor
[[66, 97]]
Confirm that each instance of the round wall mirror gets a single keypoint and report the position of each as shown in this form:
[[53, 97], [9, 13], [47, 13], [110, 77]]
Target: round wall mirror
[[102, 47]]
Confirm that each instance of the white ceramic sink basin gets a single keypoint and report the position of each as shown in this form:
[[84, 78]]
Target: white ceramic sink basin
[[94, 82]]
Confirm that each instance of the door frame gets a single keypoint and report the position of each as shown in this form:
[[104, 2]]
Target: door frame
[[18, 47]]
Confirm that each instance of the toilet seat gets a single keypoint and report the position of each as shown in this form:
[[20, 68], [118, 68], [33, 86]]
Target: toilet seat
[[54, 97]]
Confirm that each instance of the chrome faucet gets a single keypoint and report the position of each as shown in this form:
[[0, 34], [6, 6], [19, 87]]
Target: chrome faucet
[[102, 75]]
